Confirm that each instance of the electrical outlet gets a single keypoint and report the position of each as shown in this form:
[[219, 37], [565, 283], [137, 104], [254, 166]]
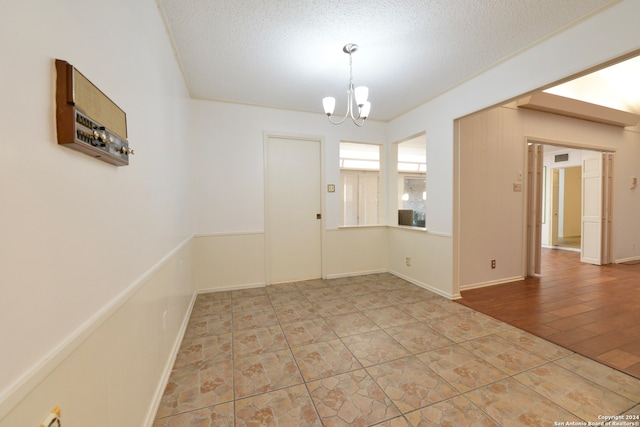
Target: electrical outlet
[[408, 261], [493, 263]]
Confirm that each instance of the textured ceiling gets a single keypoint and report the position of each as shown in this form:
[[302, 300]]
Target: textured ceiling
[[288, 53]]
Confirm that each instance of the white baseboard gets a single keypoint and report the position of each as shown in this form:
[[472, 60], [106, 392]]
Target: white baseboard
[[426, 286], [622, 260], [231, 288], [359, 273], [166, 373], [491, 283]]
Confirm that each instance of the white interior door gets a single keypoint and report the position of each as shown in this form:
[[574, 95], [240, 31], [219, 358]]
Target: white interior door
[[555, 203], [534, 209], [592, 212], [293, 232]]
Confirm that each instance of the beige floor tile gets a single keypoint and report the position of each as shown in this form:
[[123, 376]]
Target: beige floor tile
[[372, 348], [290, 313], [213, 296], [286, 407], [213, 416], [369, 301], [410, 384], [250, 292], [425, 309], [461, 368], [265, 372], [312, 284], [333, 307], [207, 309], [503, 354], [257, 341], [212, 348], [250, 303], [351, 399], [534, 344], [325, 359], [511, 404], [197, 387], [574, 393], [322, 294], [257, 318], [465, 327], [616, 381], [214, 324], [387, 317], [418, 337], [282, 288], [351, 324], [633, 414], [406, 296], [356, 290], [308, 332], [287, 298], [455, 412], [395, 422]]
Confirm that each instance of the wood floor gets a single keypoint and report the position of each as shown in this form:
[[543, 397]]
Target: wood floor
[[592, 310]]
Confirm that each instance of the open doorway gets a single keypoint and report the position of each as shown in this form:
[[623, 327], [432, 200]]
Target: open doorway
[[562, 197], [568, 202]]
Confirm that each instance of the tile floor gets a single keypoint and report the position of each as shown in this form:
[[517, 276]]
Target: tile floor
[[376, 350]]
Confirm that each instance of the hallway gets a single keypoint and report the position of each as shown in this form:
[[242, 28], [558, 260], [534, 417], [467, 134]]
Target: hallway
[[592, 310]]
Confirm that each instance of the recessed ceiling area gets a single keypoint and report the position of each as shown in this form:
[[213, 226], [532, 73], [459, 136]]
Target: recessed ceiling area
[[617, 87]]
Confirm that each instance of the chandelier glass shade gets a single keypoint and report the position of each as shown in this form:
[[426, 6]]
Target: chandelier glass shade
[[358, 107]]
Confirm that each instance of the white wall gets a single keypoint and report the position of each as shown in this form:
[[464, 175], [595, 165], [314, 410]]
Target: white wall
[[228, 161], [80, 237], [228, 191], [606, 36]]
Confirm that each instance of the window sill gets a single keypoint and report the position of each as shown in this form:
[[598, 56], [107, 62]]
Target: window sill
[[346, 227], [408, 227]]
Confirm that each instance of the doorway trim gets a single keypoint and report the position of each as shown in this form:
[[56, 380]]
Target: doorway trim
[[267, 229], [533, 196]]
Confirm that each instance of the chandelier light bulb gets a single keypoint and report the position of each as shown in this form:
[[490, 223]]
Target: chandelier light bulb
[[364, 110], [329, 104], [362, 93]]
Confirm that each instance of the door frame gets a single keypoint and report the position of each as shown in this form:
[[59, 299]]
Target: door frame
[[266, 135], [530, 200]]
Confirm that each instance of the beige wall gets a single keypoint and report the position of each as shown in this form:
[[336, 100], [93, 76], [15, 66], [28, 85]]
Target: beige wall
[[236, 260], [572, 219], [113, 374], [492, 157]]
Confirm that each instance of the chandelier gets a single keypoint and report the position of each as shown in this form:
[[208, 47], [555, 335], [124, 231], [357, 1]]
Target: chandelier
[[355, 97]]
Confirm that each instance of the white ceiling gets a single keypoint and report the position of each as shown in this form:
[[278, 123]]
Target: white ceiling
[[288, 53]]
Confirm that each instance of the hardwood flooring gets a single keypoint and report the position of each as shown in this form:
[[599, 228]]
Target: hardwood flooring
[[591, 310]]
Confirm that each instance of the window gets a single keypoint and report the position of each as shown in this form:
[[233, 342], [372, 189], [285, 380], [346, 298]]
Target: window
[[359, 183], [412, 182]]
